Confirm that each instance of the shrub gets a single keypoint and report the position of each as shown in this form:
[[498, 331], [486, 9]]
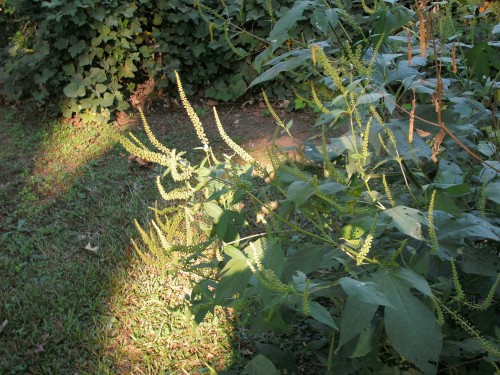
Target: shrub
[[89, 55], [383, 242]]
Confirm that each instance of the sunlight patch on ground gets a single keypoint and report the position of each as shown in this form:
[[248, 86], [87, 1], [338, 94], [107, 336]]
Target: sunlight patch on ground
[[65, 151], [147, 328]]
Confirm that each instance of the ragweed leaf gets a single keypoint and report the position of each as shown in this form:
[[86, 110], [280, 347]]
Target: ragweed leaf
[[322, 315], [299, 192], [410, 325], [260, 365], [288, 20], [364, 291], [407, 220], [356, 316]]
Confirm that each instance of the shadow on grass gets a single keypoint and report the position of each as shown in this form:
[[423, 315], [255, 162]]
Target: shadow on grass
[[73, 297]]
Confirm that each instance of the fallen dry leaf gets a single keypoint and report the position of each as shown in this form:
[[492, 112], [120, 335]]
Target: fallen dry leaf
[[436, 147], [211, 102], [89, 247], [423, 133], [141, 161], [284, 104]]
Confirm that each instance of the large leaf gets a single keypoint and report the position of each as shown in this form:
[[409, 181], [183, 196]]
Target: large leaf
[[370, 98], [407, 220], [492, 192], [480, 262], [213, 210], [235, 277], [260, 365], [365, 291], [299, 192], [364, 344], [107, 100], [449, 173], [356, 316], [283, 359], [304, 259], [322, 315], [413, 280], [468, 226], [388, 20], [287, 21], [331, 187], [488, 174], [325, 18], [410, 325], [269, 253], [74, 89], [284, 66]]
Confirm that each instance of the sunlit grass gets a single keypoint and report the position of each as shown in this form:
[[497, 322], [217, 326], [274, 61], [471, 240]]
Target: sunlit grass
[[147, 326], [71, 310], [65, 149]]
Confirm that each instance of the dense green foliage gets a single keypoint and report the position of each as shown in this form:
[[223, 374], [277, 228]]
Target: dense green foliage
[[382, 242], [90, 55]]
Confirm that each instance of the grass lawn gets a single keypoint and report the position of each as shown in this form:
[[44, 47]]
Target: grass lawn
[[73, 296]]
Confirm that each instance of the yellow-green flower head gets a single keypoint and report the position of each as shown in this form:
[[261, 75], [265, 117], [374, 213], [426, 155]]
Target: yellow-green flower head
[[195, 120]]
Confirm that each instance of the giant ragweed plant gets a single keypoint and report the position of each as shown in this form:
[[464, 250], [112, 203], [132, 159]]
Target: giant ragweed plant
[[388, 268], [381, 242]]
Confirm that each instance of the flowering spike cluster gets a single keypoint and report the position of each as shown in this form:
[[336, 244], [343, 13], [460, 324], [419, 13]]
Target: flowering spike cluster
[[432, 228], [388, 191], [330, 70], [422, 28], [409, 47], [151, 136], [313, 54], [306, 305], [195, 120], [188, 220], [181, 194], [318, 103], [482, 198], [161, 236], [268, 5], [366, 8], [365, 249], [237, 51], [144, 153], [489, 298], [471, 330], [460, 296], [270, 280], [239, 151], [454, 58], [274, 114], [412, 117], [400, 249], [186, 173], [366, 139], [439, 311], [360, 257]]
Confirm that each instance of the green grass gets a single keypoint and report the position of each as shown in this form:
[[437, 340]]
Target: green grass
[[66, 309]]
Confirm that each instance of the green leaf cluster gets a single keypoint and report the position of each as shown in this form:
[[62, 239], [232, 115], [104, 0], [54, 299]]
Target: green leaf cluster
[[89, 56], [382, 241]]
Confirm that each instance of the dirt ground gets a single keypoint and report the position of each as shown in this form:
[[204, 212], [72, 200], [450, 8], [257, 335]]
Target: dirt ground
[[249, 124]]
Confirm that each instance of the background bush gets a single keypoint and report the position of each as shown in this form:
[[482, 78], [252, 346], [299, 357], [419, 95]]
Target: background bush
[[89, 55]]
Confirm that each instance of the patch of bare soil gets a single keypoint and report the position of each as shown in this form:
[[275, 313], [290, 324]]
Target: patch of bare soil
[[249, 125]]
